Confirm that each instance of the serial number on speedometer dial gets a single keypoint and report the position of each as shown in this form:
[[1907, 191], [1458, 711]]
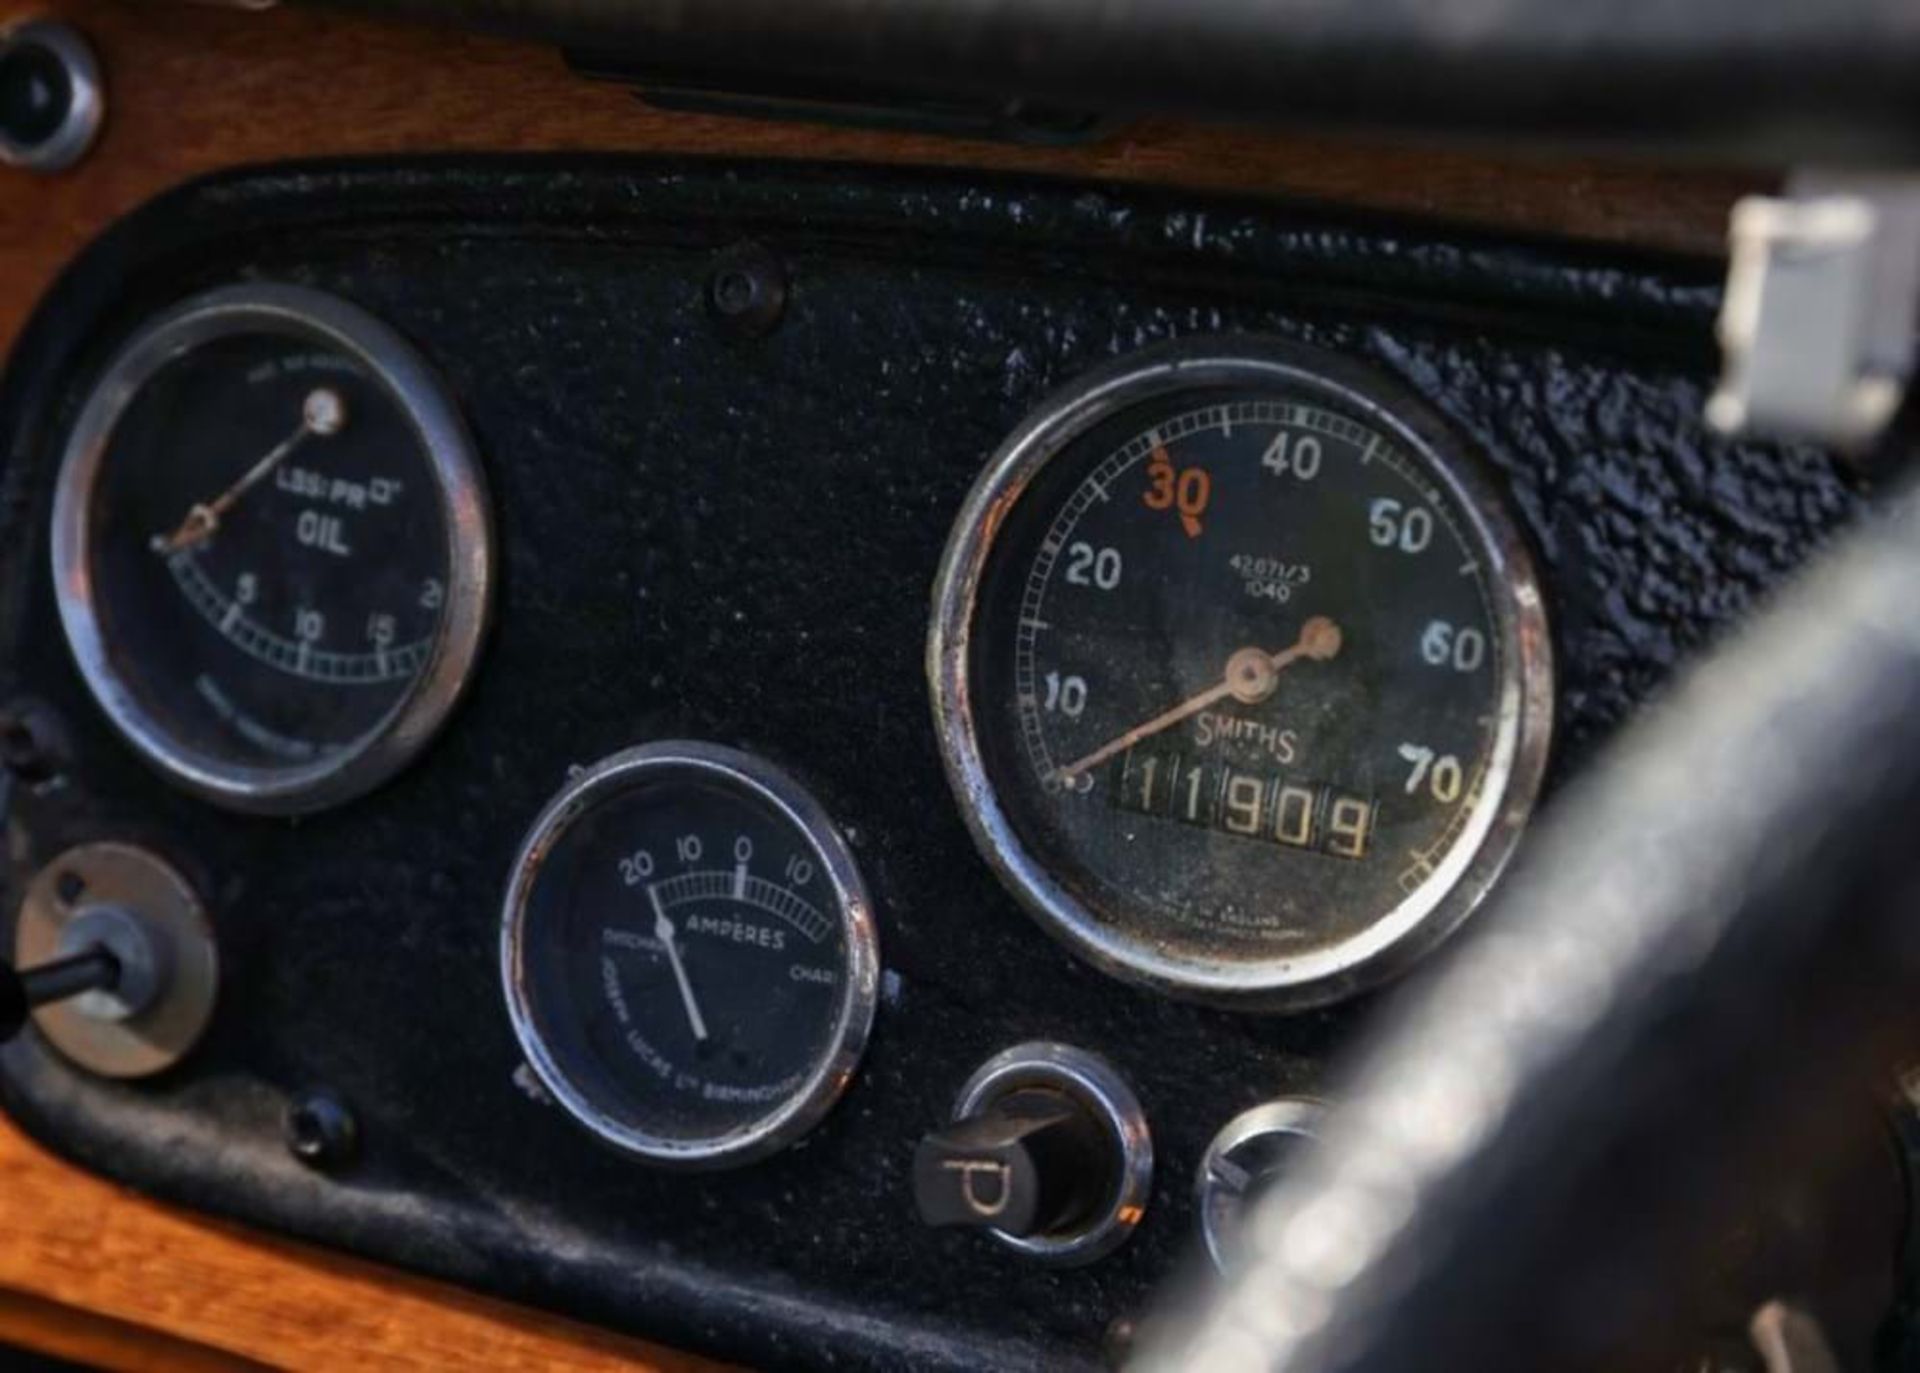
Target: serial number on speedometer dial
[[1255, 672]]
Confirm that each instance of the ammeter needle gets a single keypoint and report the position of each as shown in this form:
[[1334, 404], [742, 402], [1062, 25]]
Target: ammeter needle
[[663, 931]]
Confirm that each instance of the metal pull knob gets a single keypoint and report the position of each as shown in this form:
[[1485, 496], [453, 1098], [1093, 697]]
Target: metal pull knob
[[1036, 1162], [1048, 1153]]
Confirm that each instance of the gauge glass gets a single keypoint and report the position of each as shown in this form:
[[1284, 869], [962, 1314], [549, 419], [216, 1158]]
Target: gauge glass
[[1242, 673], [271, 548], [688, 955]]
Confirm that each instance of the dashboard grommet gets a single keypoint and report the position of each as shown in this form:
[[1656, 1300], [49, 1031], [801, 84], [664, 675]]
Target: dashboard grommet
[[52, 97]]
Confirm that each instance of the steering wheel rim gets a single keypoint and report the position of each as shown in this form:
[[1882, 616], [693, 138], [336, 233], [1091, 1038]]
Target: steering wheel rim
[[1703, 956]]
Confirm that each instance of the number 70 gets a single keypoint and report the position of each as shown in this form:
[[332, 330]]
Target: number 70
[[1441, 773]]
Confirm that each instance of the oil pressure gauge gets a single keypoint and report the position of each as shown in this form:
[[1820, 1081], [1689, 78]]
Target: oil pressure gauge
[[271, 548], [688, 955], [1241, 672]]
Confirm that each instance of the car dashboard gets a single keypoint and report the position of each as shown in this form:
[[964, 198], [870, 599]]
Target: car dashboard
[[808, 760]]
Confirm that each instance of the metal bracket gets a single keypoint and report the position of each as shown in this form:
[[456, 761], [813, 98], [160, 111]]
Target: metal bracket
[[1822, 301]]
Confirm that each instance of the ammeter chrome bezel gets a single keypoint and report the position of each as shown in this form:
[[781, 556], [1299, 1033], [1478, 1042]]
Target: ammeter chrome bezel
[[1389, 946], [299, 313], [810, 1103]]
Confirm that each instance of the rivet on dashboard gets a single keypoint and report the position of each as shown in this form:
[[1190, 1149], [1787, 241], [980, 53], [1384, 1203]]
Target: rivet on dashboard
[[32, 745], [321, 1131], [69, 887], [747, 290]]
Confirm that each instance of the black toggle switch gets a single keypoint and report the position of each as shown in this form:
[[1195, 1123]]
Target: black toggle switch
[[92, 970], [1034, 1162]]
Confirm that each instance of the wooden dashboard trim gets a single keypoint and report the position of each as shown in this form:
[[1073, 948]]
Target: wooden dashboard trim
[[92, 1272], [193, 89]]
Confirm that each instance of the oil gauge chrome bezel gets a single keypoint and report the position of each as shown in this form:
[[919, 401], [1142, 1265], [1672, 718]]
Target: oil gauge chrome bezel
[[1383, 950], [846, 1042], [297, 313]]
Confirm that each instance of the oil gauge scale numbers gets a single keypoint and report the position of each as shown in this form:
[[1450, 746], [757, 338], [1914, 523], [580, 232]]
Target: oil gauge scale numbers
[[1241, 673], [272, 548], [689, 955]]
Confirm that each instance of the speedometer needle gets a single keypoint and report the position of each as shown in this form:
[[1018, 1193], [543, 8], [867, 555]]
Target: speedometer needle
[[663, 931], [323, 414], [1251, 676]]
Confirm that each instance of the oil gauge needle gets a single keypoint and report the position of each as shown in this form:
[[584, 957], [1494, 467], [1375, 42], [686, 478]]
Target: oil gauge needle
[[1251, 676], [321, 415], [663, 931]]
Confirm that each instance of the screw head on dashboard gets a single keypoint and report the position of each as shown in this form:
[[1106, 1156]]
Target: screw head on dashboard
[[32, 744], [747, 290], [321, 1131]]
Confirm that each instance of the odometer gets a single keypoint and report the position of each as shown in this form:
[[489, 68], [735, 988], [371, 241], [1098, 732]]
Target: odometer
[[271, 547], [1242, 673]]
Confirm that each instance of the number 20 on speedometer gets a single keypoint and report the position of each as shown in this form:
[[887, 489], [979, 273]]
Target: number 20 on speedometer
[[1241, 672]]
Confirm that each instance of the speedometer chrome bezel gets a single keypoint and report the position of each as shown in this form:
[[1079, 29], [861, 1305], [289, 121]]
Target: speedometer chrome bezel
[[1424, 918], [847, 1040], [460, 485]]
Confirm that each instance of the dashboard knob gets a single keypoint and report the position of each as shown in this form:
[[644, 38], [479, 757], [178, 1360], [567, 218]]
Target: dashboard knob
[[120, 965], [1048, 1153], [1035, 1162]]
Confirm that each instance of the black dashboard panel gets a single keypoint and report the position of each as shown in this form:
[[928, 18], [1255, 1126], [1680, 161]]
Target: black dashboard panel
[[711, 533]]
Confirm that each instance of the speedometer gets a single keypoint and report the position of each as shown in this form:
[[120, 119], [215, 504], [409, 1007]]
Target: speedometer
[[1242, 673]]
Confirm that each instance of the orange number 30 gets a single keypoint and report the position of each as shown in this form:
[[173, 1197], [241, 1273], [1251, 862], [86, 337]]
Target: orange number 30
[[1187, 491]]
